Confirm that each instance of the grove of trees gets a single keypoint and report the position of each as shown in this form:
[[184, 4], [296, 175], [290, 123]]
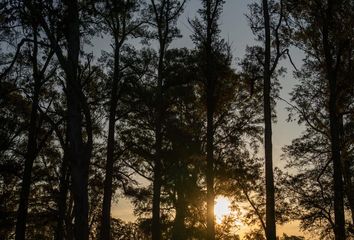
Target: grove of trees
[[172, 129]]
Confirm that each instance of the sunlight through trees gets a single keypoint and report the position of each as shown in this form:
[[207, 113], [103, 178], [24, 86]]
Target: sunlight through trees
[[176, 119]]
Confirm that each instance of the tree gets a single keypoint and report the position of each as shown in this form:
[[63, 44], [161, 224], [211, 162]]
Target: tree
[[33, 146], [66, 24], [310, 187], [165, 14], [37, 75], [172, 129], [270, 201], [177, 155], [339, 228], [266, 23], [118, 18], [206, 37], [183, 132], [324, 41]]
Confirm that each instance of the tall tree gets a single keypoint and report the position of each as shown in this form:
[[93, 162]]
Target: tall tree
[[268, 148], [38, 70], [165, 14], [206, 36], [325, 42], [332, 78], [266, 21], [31, 152], [64, 26], [310, 106], [311, 186], [117, 17], [181, 146]]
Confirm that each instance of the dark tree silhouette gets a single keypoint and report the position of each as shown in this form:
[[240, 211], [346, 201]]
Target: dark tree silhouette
[[79, 151], [268, 148], [206, 37], [33, 145], [327, 43], [266, 23], [117, 18], [165, 14], [173, 129]]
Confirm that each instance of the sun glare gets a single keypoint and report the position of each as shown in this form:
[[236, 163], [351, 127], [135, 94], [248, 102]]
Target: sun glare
[[221, 208]]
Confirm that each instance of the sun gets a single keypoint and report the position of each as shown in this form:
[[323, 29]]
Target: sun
[[221, 208]]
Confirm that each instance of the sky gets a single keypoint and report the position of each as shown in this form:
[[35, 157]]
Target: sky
[[234, 29]]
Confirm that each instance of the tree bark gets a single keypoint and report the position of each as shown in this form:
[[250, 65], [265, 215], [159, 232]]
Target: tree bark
[[270, 199], [107, 197]]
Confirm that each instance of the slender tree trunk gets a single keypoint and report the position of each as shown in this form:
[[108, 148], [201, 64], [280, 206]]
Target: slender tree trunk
[[347, 175], [156, 222], [349, 189], [339, 229], [107, 197], [268, 148], [31, 151], [210, 168], [210, 85], [79, 168], [26, 180], [331, 72], [179, 227], [165, 15], [179, 230], [157, 182], [78, 152]]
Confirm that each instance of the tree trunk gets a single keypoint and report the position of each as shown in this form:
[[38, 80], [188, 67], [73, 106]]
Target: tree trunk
[[179, 230], [331, 74], [270, 199], [349, 189], [157, 182], [210, 85], [210, 168], [347, 175], [26, 180], [107, 197], [339, 229], [31, 151], [78, 152], [165, 14]]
